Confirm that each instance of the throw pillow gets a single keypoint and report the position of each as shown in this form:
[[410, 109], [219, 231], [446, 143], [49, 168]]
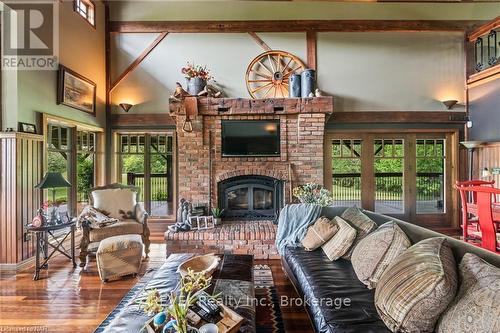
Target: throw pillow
[[340, 243], [95, 218], [319, 233], [417, 287], [118, 203], [377, 251], [477, 305], [359, 221]]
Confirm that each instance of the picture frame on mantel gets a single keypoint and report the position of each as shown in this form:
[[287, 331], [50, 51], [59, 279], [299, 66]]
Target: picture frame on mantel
[[75, 90], [27, 128]]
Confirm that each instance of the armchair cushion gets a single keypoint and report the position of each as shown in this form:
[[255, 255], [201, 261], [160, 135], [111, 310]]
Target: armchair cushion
[[119, 203], [124, 227]]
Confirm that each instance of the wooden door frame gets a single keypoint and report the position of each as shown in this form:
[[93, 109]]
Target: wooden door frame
[[451, 137], [116, 163]]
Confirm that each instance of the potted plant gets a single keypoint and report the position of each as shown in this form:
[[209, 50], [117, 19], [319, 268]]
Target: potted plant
[[313, 194], [217, 214], [196, 78]]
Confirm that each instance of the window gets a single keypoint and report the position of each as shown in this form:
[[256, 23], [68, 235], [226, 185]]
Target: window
[[86, 9], [85, 166], [58, 160]]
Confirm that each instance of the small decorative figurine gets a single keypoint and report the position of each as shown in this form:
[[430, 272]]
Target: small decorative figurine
[[310, 94], [318, 93], [184, 212], [210, 91]]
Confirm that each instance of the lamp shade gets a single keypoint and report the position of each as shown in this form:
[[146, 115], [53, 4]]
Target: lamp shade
[[53, 180]]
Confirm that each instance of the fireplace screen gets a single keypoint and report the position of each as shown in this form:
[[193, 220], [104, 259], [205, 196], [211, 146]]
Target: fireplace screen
[[251, 197]]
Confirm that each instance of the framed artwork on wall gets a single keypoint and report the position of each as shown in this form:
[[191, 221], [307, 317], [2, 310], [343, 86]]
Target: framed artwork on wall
[[27, 128], [75, 90]]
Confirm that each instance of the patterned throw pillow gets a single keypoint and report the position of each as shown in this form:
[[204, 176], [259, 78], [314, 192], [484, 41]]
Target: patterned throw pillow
[[96, 218], [340, 243], [117, 202], [477, 305], [319, 233], [417, 287], [359, 221], [377, 251]]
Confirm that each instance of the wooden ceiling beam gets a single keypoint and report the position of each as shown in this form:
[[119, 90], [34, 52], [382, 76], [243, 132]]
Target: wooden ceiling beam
[[139, 59], [292, 26]]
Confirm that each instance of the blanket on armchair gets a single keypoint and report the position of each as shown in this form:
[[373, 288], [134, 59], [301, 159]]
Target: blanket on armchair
[[293, 222]]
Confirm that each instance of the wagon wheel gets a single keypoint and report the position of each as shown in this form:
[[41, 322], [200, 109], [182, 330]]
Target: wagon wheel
[[267, 75]]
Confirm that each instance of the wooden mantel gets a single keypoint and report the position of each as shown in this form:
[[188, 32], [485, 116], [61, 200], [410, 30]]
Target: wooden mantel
[[244, 106]]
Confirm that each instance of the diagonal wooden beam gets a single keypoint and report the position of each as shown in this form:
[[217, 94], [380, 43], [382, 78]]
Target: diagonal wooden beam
[[259, 41], [139, 59]]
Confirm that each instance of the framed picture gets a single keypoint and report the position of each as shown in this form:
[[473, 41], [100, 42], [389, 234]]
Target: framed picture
[[75, 91], [27, 128]]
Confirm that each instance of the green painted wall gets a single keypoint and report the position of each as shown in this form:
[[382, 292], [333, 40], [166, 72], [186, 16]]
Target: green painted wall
[[82, 49], [289, 10], [364, 71]]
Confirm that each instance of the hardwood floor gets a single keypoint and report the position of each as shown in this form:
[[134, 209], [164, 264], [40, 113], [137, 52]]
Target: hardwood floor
[[75, 300]]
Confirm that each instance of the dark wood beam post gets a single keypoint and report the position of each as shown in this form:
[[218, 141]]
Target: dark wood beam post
[[107, 135], [259, 41], [311, 42]]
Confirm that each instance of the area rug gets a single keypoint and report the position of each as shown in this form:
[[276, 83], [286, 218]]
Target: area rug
[[268, 317]]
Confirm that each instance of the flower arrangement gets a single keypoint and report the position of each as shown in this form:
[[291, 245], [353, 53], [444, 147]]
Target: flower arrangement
[[192, 71], [191, 285], [314, 194]]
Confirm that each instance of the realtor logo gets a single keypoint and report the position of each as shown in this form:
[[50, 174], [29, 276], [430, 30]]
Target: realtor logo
[[30, 35]]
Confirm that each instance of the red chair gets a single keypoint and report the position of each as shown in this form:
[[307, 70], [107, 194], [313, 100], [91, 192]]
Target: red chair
[[489, 236], [470, 226]]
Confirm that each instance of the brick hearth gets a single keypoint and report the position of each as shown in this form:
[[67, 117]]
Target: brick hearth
[[253, 237]]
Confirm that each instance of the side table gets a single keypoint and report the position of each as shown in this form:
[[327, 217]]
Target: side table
[[42, 243]]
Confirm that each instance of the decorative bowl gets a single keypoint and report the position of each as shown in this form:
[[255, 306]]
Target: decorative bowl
[[205, 264]]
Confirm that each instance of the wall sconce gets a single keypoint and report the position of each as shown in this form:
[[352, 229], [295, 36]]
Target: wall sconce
[[187, 126], [450, 103], [125, 106]]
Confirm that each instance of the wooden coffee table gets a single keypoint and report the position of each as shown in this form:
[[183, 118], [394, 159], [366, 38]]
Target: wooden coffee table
[[233, 279]]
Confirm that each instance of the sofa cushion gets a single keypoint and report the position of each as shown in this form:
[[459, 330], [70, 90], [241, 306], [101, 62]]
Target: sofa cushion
[[417, 287], [321, 280], [125, 227], [477, 305], [376, 251], [359, 221], [117, 202], [340, 243], [319, 233]]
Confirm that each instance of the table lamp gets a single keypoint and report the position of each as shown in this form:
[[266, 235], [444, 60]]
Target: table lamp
[[53, 180]]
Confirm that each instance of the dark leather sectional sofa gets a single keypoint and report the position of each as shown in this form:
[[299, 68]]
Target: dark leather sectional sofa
[[336, 300]]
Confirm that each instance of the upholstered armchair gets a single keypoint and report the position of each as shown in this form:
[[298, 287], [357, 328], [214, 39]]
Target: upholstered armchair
[[120, 202]]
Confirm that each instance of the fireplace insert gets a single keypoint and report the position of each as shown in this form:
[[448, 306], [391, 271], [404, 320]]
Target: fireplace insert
[[251, 197]]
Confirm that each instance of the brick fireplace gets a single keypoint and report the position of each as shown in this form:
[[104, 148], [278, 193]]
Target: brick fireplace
[[203, 172]]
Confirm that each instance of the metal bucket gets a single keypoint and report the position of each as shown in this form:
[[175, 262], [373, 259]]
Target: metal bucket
[[308, 82], [195, 85]]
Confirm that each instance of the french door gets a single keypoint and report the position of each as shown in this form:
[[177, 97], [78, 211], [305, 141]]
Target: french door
[[145, 160], [405, 175]]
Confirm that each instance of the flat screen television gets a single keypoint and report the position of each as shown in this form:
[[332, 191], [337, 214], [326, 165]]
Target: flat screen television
[[250, 138]]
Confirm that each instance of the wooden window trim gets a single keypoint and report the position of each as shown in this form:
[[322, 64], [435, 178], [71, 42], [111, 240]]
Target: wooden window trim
[[85, 18]]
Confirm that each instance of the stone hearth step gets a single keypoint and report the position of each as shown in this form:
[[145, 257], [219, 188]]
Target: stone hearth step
[[242, 237]]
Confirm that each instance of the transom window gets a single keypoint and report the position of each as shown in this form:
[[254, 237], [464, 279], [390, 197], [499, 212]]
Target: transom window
[[86, 9]]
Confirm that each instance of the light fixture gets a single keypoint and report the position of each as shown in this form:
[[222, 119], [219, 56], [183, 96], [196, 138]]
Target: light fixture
[[187, 126], [126, 106], [450, 103], [471, 145]]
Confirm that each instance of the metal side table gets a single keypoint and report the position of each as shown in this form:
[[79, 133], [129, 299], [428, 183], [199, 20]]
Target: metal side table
[[43, 243]]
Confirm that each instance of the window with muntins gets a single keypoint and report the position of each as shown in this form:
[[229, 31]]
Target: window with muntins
[[86, 9]]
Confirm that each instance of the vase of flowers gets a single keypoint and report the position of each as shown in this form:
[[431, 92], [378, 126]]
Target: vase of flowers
[[196, 78], [313, 194]]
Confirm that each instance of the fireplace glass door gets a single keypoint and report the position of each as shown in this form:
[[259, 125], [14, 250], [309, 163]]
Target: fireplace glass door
[[250, 197]]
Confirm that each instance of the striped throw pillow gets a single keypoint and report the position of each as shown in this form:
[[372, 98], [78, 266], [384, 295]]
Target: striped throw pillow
[[359, 221], [374, 253], [417, 287], [340, 243]]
